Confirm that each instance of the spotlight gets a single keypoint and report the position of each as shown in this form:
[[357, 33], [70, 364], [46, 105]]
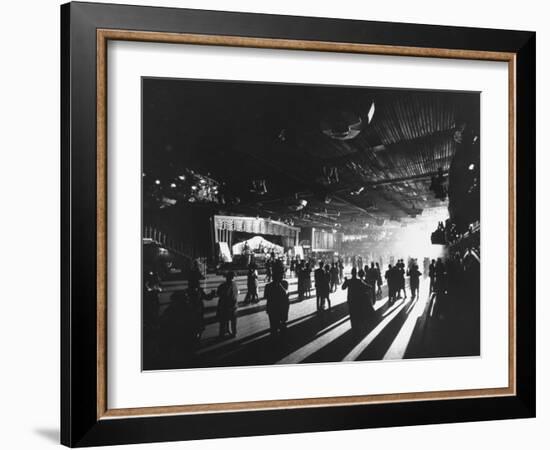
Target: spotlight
[[173, 185], [182, 177], [168, 201], [157, 181], [471, 166]]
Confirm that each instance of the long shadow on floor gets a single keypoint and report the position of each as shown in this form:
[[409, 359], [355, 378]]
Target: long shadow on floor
[[214, 347], [381, 343], [269, 350], [261, 349], [341, 346]]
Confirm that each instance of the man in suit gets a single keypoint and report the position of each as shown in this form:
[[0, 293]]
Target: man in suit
[[278, 302], [414, 279], [319, 275]]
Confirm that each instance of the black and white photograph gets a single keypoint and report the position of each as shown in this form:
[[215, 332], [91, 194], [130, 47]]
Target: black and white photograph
[[292, 224], [277, 224]]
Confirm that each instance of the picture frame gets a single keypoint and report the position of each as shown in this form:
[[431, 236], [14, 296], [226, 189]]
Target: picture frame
[[86, 418]]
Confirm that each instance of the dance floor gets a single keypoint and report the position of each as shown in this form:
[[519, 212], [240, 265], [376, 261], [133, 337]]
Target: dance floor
[[407, 329]]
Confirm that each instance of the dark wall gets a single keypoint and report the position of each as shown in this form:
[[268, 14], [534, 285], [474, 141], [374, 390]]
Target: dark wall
[[464, 172], [188, 225], [464, 182]]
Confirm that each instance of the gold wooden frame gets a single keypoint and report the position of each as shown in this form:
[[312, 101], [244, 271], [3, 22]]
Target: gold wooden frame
[[103, 36]]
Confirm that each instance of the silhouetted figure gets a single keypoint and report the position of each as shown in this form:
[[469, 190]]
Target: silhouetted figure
[[195, 276], [228, 293], [300, 279], [293, 266], [334, 277], [401, 278], [359, 303], [370, 278], [319, 276], [304, 281], [426, 266], [378, 282], [178, 329], [278, 303], [391, 278], [196, 296], [269, 267], [325, 289], [414, 279], [251, 285], [307, 279]]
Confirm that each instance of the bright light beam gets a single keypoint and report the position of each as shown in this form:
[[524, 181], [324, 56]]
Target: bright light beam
[[360, 348], [399, 345]]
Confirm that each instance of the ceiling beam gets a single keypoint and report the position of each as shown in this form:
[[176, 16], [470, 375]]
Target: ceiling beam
[[433, 138], [420, 177], [354, 206]]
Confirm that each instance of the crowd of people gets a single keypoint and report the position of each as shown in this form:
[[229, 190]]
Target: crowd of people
[[182, 321], [445, 233], [395, 277]]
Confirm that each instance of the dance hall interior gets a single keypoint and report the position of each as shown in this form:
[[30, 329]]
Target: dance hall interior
[[289, 224]]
